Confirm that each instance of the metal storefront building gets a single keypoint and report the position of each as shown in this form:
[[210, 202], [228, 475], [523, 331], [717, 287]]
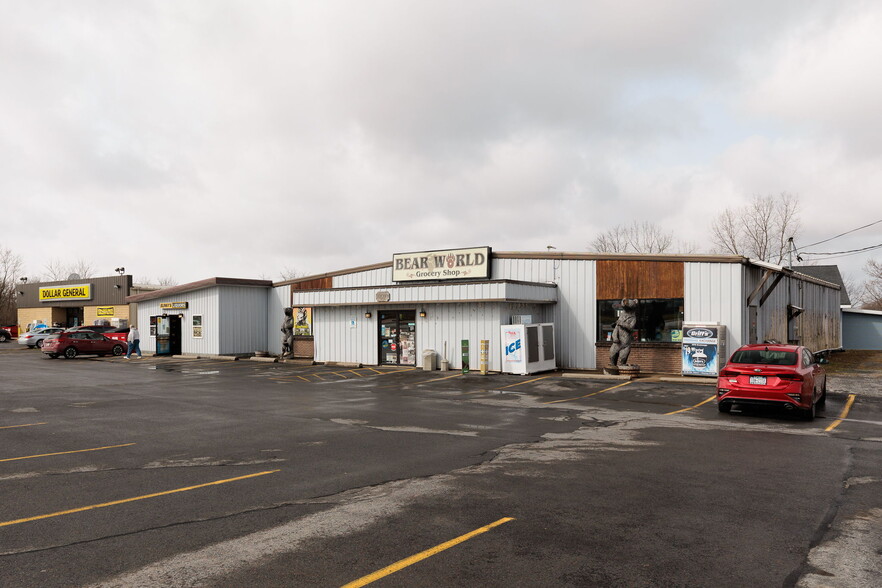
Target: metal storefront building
[[215, 316], [354, 310], [74, 302]]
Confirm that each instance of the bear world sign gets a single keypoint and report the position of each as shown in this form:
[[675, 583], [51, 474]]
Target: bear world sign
[[447, 264]]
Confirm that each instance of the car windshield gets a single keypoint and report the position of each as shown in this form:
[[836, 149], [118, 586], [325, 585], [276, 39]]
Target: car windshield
[[765, 356]]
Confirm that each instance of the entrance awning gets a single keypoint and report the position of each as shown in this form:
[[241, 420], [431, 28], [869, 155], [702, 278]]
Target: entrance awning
[[433, 293]]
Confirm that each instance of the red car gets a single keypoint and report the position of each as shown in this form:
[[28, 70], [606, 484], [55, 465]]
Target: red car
[[775, 375], [81, 342]]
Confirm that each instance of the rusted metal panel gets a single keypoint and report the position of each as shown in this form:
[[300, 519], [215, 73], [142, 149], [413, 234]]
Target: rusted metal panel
[[618, 279], [316, 284]]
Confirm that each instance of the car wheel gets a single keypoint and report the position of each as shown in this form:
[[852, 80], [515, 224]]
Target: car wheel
[[118, 350], [39, 344], [70, 353], [822, 401], [809, 413], [724, 407], [4, 337]]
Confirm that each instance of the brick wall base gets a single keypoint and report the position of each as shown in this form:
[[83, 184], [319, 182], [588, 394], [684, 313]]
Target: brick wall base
[[657, 358], [304, 347]]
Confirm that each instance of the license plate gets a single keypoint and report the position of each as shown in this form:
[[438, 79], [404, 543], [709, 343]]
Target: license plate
[[758, 380]]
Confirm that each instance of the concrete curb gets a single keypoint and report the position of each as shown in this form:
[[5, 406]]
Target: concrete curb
[[345, 364], [580, 376], [263, 359], [700, 381]]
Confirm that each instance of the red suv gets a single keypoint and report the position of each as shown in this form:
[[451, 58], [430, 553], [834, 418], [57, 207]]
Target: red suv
[[81, 343], [788, 376]]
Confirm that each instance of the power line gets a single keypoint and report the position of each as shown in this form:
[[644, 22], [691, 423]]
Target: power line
[[832, 254], [845, 233]]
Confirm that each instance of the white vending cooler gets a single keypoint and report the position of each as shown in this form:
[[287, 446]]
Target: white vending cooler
[[704, 349], [527, 349]]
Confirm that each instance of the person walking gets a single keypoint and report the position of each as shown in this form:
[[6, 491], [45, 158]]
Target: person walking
[[134, 341]]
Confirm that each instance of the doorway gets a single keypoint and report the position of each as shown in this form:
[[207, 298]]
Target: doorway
[[397, 337], [168, 335], [74, 316]]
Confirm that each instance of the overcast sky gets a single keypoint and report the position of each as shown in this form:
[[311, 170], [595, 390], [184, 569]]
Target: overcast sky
[[241, 139]]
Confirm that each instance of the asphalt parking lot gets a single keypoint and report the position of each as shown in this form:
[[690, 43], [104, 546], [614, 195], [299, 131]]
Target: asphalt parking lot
[[185, 472]]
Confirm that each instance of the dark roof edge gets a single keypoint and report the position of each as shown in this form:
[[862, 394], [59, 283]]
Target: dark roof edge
[[190, 287]]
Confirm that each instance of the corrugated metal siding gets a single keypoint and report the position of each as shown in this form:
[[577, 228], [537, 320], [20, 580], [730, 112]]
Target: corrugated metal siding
[[488, 291], [817, 328], [575, 314], [375, 277], [713, 293], [243, 313], [861, 330], [336, 340], [202, 302], [277, 300]]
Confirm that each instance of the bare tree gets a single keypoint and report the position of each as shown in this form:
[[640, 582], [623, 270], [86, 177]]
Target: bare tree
[[637, 237], [10, 271], [871, 294], [57, 270], [760, 229], [289, 273]]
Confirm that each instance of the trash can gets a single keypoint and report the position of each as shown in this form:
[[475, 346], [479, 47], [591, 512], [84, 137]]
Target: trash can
[[429, 360]]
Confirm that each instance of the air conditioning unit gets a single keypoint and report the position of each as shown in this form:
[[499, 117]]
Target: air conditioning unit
[[521, 319], [528, 348]]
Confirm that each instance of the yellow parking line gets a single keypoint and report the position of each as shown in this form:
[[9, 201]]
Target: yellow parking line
[[691, 407], [843, 414], [67, 452], [27, 425], [124, 500], [522, 383], [592, 394], [399, 565], [444, 378]]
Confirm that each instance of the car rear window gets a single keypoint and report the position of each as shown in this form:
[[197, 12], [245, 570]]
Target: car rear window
[[765, 356]]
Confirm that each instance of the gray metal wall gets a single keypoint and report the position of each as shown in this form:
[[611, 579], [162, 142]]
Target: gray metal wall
[[819, 327], [861, 329], [243, 319]]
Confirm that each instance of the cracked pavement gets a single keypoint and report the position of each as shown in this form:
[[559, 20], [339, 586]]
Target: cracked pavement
[[355, 472]]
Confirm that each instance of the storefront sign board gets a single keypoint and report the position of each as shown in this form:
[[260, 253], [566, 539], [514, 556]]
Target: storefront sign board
[[72, 292], [448, 264]]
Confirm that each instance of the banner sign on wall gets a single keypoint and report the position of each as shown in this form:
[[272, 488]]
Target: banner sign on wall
[[104, 311], [448, 264], [303, 321]]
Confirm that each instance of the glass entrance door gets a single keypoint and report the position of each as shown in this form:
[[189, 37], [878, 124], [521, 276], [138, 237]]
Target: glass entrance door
[[397, 337]]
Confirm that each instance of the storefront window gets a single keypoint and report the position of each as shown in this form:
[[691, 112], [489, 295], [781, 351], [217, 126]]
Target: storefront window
[[658, 319]]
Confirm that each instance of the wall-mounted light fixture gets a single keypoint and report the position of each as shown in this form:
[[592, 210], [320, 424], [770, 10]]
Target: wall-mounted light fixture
[[117, 286], [422, 313], [367, 314], [120, 270], [23, 280], [20, 293]]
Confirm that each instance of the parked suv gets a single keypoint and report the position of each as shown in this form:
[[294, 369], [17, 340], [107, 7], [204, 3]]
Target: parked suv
[[71, 344]]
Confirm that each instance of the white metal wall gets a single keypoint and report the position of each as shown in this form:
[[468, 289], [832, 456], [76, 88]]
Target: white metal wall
[[202, 302], [277, 299], [714, 293], [243, 319], [574, 315]]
